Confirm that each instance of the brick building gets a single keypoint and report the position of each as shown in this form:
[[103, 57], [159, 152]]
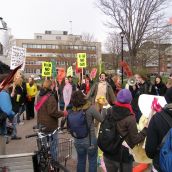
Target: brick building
[[60, 47]]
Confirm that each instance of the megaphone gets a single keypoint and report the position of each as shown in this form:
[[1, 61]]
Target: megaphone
[[131, 81]]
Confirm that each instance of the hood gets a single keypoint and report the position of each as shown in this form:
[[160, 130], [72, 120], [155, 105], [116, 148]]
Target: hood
[[120, 112], [168, 109], [84, 107], [44, 92]]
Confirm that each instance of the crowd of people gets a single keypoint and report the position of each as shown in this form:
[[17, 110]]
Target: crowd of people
[[52, 100]]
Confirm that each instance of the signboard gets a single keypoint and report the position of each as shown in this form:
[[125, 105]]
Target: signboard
[[46, 69], [18, 56], [69, 71], [81, 60], [93, 73]]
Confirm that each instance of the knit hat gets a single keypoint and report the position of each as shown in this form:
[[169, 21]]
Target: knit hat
[[124, 96], [168, 95]]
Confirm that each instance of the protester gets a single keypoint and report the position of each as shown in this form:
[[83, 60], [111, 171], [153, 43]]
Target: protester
[[5, 107], [83, 146], [111, 82], [117, 81], [159, 88], [127, 128], [169, 83], [142, 87], [70, 78], [157, 129], [31, 89], [48, 113], [18, 97], [102, 88]]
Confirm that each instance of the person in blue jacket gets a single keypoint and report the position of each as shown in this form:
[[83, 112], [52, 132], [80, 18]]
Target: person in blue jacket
[[5, 106]]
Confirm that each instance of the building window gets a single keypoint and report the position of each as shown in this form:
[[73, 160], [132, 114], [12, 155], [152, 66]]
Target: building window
[[49, 47], [76, 47], [43, 46], [24, 45], [38, 37], [58, 37]]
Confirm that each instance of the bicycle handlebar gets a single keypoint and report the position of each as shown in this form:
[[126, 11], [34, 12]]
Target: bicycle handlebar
[[31, 135]]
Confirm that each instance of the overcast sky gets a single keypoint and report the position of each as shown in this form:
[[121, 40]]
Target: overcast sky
[[26, 17]]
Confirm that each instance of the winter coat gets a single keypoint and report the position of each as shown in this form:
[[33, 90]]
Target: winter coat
[[48, 114], [126, 126], [19, 97], [157, 129], [159, 89], [91, 114], [110, 96]]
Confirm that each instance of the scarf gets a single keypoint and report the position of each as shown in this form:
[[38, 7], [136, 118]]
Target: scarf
[[128, 106]]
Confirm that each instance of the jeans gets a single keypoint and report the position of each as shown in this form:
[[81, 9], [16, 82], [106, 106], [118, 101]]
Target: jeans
[[83, 149], [113, 166], [14, 124]]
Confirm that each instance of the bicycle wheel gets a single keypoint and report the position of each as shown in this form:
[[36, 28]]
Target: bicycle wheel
[[57, 167]]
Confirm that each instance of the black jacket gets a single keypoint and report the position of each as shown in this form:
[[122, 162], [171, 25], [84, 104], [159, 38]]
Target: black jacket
[[126, 125], [159, 89], [157, 129]]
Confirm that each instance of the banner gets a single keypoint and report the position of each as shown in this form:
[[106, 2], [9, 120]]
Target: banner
[[82, 60], [61, 75], [126, 68], [18, 56], [69, 71], [54, 71], [93, 73], [46, 69]]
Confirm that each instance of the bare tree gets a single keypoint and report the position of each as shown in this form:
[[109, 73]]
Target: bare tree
[[113, 46], [135, 18], [87, 37], [113, 43]]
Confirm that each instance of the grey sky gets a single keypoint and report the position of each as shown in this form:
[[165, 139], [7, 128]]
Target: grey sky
[[26, 17]]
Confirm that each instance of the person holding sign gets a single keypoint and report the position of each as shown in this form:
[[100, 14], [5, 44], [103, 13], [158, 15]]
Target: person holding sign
[[67, 93], [31, 89]]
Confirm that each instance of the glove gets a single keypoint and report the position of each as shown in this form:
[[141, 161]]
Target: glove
[[65, 113]]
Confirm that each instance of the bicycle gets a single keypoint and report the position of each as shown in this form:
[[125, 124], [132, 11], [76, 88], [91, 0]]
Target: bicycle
[[43, 160]]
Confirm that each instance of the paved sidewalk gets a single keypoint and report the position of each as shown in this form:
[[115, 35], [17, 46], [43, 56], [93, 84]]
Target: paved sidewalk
[[29, 145]]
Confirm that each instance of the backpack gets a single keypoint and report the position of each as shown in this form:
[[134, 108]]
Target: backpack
[[109, 139], [165, 158], [77, 124]]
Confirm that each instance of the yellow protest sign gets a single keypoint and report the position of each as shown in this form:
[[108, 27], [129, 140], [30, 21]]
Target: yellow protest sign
[[82, 60], [69, 71], [46, 68]]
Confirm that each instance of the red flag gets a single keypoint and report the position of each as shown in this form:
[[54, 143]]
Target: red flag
[[93, 73], [126, 68], [78, 70], [9, 78]]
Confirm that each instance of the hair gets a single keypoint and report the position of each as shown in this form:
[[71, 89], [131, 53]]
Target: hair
[[158, 76], [78, 99], [143, 77], [47, 84], [102, 73], [169, 83]]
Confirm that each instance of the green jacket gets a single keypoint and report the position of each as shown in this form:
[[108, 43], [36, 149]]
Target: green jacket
[[110, 96]]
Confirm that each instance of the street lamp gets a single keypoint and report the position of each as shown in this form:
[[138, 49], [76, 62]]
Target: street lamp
[[122, 56]]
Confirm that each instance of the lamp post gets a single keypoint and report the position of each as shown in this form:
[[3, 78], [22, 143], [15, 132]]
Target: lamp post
[[122, 56]]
